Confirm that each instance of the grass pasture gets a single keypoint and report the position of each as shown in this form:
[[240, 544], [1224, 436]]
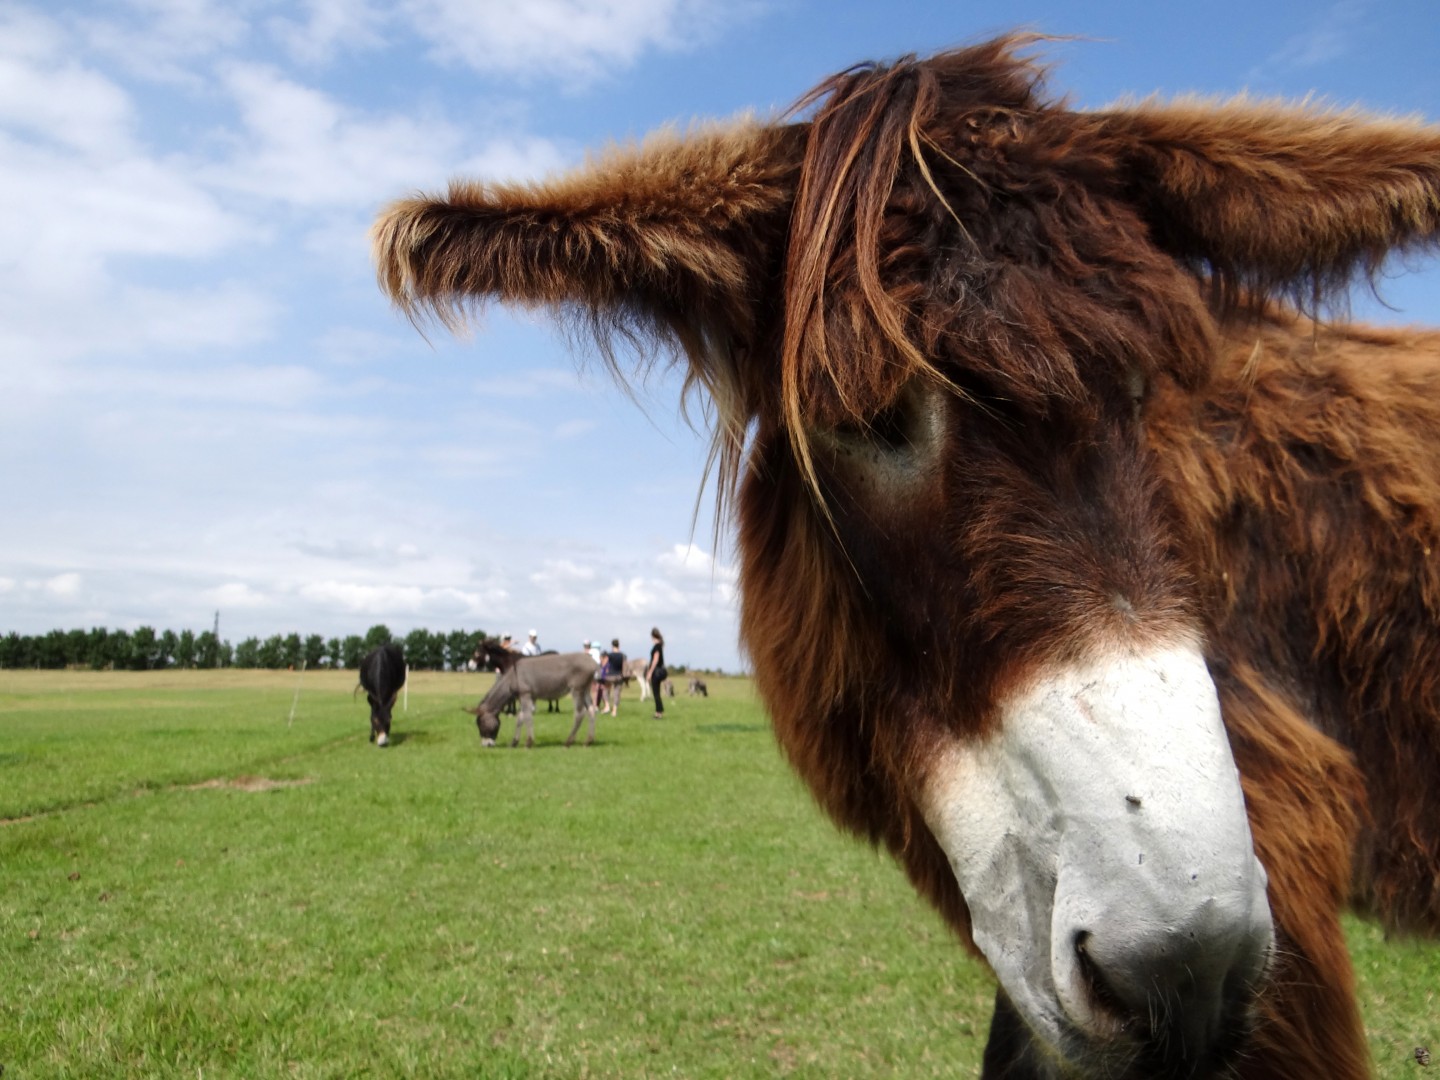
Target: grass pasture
[[192, 886]]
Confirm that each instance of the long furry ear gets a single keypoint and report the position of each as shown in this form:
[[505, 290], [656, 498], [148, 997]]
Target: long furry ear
[[672, 240], [1266, 197], [678, 242]]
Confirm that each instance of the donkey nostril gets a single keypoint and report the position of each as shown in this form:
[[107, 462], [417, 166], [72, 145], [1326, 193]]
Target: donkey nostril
[[1105, 1003]]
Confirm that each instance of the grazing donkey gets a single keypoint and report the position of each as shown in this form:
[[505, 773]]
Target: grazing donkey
[[533, 678], [493, 652], [382, 674], [1142, 560]]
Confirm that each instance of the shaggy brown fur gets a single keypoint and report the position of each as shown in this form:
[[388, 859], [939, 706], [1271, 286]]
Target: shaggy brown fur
[[1036, 358]]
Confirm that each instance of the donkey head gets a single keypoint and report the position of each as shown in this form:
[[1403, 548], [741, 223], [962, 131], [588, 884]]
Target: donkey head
[[488, 724], [931, 313]]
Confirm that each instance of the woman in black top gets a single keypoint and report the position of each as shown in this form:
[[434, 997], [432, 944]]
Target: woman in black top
[[655, 671]]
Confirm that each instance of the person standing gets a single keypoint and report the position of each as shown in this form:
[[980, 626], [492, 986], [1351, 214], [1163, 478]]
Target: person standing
[[614, 677], [531, 647], [655, 672]]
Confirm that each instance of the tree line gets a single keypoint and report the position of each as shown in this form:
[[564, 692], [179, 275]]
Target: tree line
[[145, 649]]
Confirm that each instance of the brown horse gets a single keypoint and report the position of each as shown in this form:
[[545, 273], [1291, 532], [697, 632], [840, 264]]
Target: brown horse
[[1009, 396]]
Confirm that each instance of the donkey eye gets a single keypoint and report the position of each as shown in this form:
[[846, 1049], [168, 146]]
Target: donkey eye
[[889, 429], [894, 444]]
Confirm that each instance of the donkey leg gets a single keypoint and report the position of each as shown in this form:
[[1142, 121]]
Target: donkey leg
[[579, 719], [524, 716], [527, 712]]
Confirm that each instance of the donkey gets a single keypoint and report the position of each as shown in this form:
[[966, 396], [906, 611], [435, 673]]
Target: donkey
[[492, 651], [1020, 402], [382, 674], [544, 677], [635, 671]]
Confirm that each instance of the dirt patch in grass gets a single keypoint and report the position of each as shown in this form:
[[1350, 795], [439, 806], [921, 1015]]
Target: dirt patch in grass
[[247, 783], [222, 783]]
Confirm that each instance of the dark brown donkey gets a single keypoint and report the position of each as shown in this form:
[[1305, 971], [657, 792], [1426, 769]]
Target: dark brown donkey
[[382, 676], [1015, 399]]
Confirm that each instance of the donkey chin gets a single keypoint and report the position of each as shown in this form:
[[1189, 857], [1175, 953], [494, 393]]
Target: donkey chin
[[1101, 842]]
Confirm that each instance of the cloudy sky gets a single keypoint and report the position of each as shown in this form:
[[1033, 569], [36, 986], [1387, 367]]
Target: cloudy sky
[[205, 403]]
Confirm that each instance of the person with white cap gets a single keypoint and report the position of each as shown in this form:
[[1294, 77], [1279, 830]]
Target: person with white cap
[[531, 647]]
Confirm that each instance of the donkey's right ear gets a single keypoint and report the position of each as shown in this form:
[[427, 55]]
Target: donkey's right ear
[[675, 239]]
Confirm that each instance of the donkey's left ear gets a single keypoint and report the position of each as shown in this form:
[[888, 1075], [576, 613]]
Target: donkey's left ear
[[1288, 198], [674, 239]]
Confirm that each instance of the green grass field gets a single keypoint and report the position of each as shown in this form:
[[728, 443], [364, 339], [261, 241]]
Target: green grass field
[[193, 886]]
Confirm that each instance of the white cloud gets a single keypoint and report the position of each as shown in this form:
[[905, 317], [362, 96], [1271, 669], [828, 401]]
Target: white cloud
[[161, 40], [45, 93], [689, 561], [570, 430], [237, 594], [389, 601], [65, 586], [302, 147], [328, 27], [530, 383], [1331, 34], [533, 39]]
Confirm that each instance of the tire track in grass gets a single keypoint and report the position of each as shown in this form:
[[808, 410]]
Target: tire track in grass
[[249, 771]]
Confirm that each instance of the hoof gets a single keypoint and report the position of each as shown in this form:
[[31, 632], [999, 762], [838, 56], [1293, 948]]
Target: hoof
[[488, 743], [383, 740]]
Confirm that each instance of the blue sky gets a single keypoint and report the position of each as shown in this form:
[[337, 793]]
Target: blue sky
[[206, 404]]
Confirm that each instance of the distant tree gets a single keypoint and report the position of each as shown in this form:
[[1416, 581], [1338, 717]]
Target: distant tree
[[118, 648], [460, 646], [97, 647], [417, 647], [166, 650], [207, 650], [48, 650], [314, 651], [333, 656], [247, 653], [13, 651], [377, 635], [77, 647], [353, 651], [185, 649], [424, 650], [292, 651], [225, 654], [271, 653], [144, 648]]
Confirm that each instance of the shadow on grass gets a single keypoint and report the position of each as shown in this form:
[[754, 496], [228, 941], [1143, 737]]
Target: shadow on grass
[[400, 738], [505, 747]]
